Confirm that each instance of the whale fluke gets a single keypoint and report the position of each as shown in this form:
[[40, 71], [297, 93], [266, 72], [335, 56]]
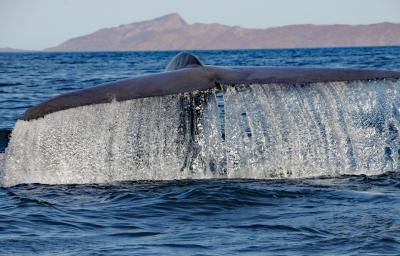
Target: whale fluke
[[183, 60], [189, 75], [199, 122]]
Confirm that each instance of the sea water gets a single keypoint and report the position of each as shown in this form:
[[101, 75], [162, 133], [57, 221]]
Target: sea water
[[298, 211]]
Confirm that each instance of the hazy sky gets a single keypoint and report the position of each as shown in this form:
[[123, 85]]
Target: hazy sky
[[37, 24]]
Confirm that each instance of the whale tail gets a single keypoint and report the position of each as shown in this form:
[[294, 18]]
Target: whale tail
[[211, 122], [183, 60]]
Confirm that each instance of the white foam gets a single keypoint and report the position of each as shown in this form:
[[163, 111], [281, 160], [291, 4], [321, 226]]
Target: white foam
[[271, 131], [2, 159]]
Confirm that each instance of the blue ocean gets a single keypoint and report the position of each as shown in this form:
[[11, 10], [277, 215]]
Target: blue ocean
[[313, 215]]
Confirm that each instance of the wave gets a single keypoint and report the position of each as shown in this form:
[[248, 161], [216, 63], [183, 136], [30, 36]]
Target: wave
[[261, 131], [9, 84]]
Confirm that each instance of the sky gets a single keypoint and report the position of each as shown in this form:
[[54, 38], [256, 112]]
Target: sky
[[38, 24]]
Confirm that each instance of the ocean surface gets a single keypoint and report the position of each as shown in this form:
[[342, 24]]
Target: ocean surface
[[345, 215]]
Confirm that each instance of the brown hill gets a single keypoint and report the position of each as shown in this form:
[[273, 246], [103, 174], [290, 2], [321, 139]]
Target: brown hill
[[171, 32]]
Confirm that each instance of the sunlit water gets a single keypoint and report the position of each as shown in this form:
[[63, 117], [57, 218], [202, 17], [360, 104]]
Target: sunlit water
[[341, 215]]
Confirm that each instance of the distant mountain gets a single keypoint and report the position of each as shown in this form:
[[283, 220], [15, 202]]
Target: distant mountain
[[8, 49], [171, 32]]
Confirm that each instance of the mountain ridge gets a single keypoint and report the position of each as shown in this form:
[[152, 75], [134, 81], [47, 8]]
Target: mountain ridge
[[9, 49], [172, 32]]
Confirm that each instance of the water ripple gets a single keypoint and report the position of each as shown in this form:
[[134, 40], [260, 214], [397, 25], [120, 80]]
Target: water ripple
[[345, 215]]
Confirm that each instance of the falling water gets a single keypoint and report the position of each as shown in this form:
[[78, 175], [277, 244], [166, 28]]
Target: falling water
[[241, 131]]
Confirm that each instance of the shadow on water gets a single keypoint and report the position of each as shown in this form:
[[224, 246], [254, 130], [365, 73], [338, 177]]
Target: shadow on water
[[4, 138]]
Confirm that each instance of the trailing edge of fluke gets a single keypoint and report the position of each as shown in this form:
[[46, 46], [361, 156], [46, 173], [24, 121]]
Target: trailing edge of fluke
[[186, 73]]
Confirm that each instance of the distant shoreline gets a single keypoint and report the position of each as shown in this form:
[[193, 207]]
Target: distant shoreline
[[206, 50]]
